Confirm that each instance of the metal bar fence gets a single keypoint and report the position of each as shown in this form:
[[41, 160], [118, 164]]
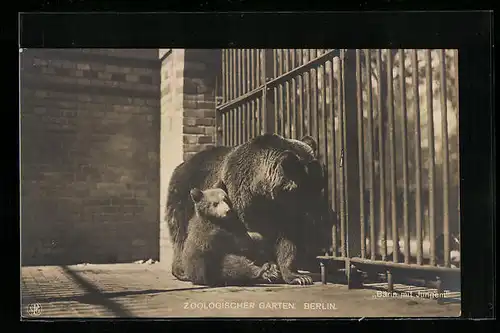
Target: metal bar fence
[[408, 165]]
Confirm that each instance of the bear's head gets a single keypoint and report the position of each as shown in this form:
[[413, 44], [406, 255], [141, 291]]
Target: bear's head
[[286, 176], [288, 170], [313, 195], [306, 150]]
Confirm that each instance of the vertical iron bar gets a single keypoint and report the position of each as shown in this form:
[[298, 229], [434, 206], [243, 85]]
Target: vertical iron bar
[[244, 108], [440, 290], [258, 101], [319, 115], [229, 68], [244, 123], [223, 117], [287, 96], [231, 73], [258, 81], [233, 96], [243, 78], [258, 116], [455, 59], [226, 128], [314, 99], [218, 115], [324, 121], [457, 96], [392, 153], [300, 103], [418, 158], [371, 158], [390, 282], [342, 136], [223, 76], [446, 157], [324, 126], [281, 115], [248, 71], [432, 180], [275, 89], [359, 91], [293, 110], [235, 126], [322, 270], [241, 72], [320, 109], [248, 106], [241, 88], [307, 98], [263, 117], [381, 152], [227, 73], [251, 61], [404, 142], [333, 159], [236, 110], [230, 131]]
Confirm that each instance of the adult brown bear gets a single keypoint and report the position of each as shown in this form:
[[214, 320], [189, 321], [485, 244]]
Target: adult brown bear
[[276, 188]]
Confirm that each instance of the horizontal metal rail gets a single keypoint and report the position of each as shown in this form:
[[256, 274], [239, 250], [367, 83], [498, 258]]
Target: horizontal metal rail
[[241, 99], [389, 264], [303, 68], [278, 80]]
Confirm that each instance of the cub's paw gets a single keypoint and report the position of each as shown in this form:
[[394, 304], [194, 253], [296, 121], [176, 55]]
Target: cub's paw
[[270, 272], [299, 279]]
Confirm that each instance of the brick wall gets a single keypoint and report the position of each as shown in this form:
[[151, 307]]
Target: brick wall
[[187, 115], [201, 67], [90, 125]]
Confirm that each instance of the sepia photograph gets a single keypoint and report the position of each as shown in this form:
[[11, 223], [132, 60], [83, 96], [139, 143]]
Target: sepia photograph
[[239, 183]]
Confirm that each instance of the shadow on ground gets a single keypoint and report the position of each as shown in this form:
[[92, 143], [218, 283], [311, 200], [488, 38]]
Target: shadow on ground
[[134, 290], [94, 296]]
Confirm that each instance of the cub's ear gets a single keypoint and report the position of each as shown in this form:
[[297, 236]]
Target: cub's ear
[[309, 140], [196, 195]]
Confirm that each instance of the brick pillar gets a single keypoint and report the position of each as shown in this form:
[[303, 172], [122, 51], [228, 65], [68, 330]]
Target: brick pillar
[[201, 68], [187, 116]]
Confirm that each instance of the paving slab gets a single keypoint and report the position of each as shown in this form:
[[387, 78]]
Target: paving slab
[[149, 290]]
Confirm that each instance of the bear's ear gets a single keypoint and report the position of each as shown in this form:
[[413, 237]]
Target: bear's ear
[[196, 195], [288, 157], [315, 169], [220, 184], [316, 176], [309, 140], [289, 161]]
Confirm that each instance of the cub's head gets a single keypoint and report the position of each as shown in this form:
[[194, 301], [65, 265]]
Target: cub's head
[[211, 204]]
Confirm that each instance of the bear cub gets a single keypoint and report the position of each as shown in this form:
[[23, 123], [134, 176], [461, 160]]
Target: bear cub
[[217, 245]]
